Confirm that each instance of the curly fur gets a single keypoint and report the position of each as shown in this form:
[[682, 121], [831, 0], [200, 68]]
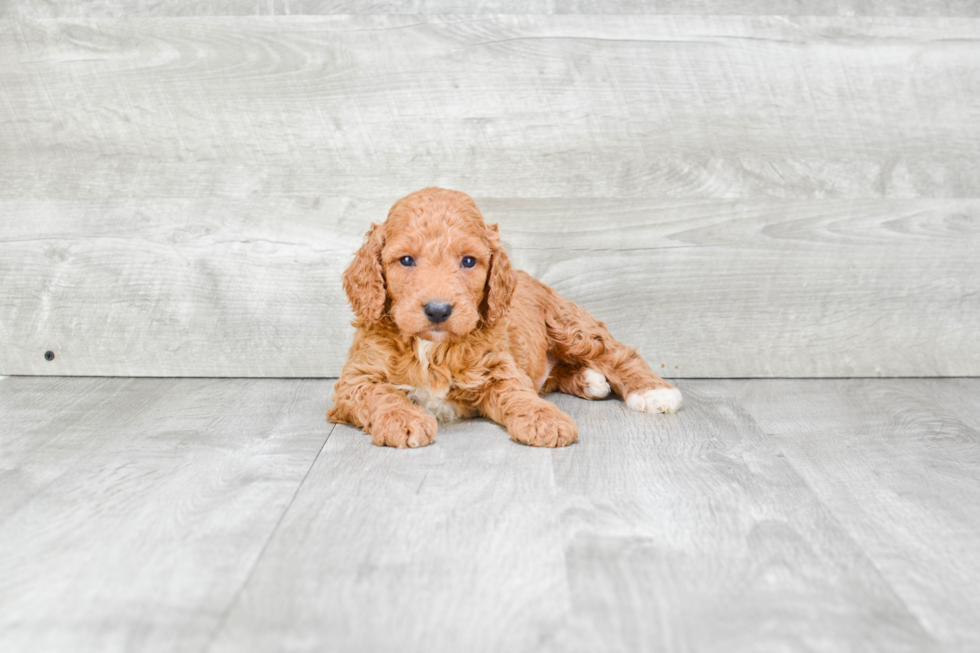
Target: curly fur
[[509, 338]]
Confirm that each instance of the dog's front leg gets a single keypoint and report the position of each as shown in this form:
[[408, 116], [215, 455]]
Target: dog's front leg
[[383, 411], [512, 401]]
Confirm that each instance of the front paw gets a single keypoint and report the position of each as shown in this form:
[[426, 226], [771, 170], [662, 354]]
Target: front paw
[[403, 427], [543, 426], [656, 400]]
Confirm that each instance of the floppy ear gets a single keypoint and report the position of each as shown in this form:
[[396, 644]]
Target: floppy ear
[[501, 280], [364, 280]]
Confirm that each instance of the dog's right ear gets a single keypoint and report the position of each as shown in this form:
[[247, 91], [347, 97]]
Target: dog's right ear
[[364, 280]]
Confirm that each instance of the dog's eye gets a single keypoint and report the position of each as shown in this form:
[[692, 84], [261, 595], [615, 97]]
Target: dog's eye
[[468, 261], [407, 261]]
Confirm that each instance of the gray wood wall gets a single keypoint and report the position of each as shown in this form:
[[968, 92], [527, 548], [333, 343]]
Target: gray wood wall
[[765, 188]]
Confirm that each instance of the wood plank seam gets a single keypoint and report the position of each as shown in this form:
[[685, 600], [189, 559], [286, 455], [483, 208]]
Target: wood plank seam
[[258, 558], [844, 528]]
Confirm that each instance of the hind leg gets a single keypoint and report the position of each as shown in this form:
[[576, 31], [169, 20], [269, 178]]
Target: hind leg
[[586, 346], [631, 378], [579, 381]]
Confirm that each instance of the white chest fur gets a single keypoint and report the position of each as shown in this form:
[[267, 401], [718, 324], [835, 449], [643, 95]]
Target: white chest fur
[[430, 399]]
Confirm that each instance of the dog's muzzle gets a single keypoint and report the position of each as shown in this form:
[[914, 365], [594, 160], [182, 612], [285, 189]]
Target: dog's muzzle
[[437, 312]]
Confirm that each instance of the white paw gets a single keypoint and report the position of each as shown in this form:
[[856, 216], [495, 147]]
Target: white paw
[[596, 385], [659, 400]]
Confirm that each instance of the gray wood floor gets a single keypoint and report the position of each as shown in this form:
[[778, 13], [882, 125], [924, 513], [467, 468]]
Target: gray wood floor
[[228, 515]]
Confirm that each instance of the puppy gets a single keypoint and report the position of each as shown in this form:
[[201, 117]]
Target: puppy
[[446, 328]]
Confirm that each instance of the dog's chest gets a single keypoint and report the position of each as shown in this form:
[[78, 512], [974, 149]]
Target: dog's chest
[[430, 398]]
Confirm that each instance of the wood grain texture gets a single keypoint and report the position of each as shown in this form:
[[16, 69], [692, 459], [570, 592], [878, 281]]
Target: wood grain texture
[[190, 515], [652, 533], [103, 8], [176, 288], [782, 196], [692, 533], [453, 547], [898, 463], [714, 289], [513, 106], [132, 510]]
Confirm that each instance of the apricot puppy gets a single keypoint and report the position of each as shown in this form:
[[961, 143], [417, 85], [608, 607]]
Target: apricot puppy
[[445, 328]]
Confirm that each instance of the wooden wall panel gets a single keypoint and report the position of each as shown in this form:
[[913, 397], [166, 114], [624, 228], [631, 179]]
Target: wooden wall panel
[[704, 288], [738, 196], [505, 106], [103, 8]]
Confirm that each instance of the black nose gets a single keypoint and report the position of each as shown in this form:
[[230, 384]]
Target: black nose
[[438, 311]]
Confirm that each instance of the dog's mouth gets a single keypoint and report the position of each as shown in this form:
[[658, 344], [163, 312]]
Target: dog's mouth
[[436, 334]]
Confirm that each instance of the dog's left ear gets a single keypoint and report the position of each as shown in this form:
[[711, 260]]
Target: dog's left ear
[[501, 280]]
